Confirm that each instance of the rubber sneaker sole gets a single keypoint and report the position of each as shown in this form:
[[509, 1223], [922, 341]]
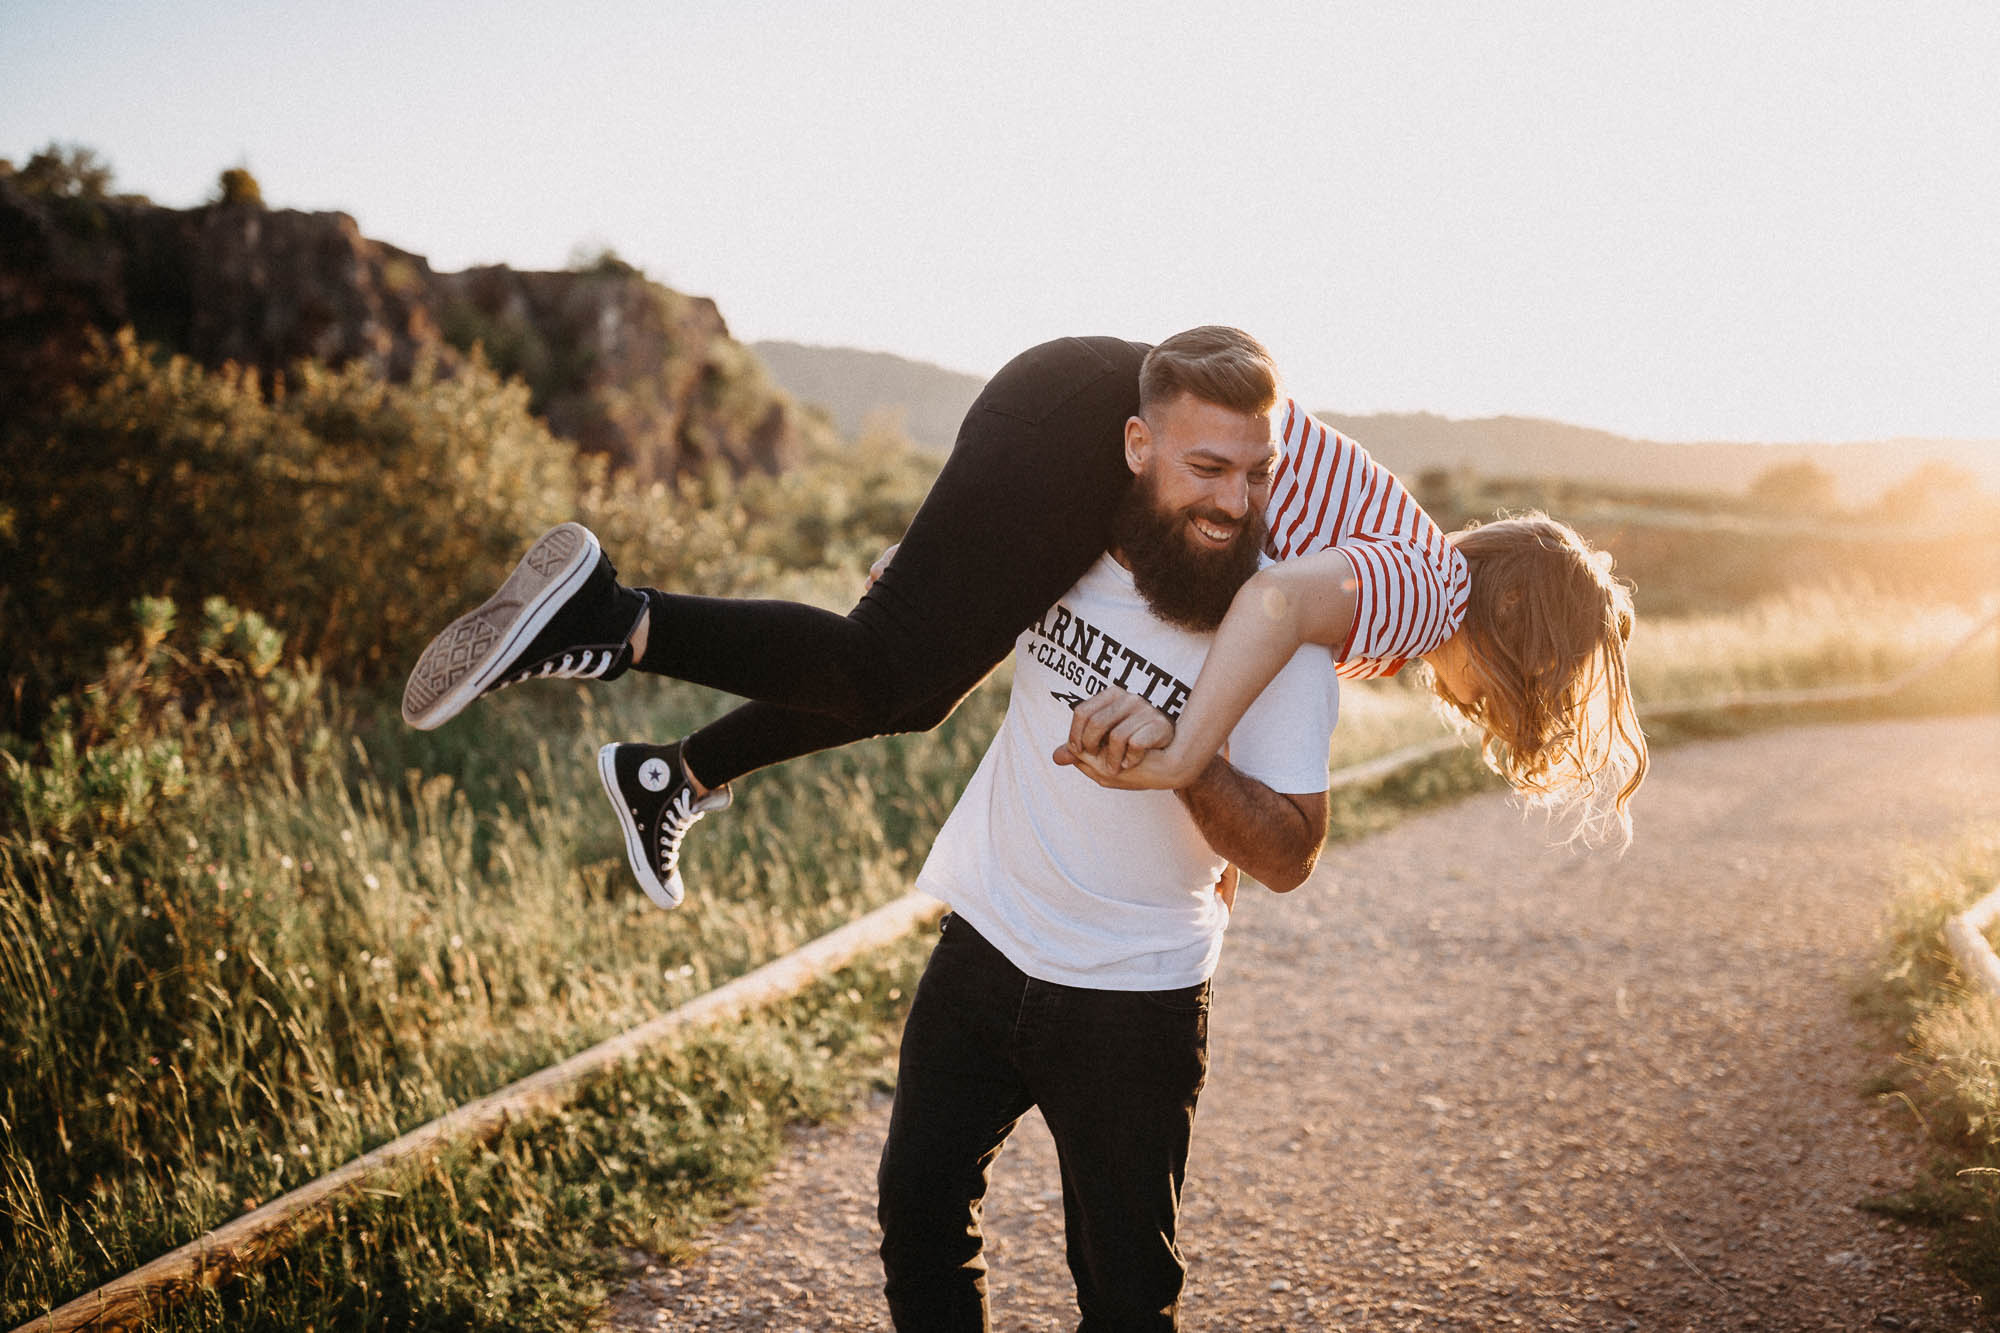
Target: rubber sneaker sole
[[475, 649], [667, 895]]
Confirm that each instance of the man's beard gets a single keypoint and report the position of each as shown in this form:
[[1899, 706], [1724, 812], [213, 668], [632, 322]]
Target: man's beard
[[1184, 584]]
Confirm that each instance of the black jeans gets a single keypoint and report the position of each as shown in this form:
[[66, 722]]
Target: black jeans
[[1022, 508], [1116, 1074]]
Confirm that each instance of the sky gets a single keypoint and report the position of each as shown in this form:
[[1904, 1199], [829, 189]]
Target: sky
[[1686, 221]]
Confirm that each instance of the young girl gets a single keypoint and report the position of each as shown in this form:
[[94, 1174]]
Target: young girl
[[1022, 507], [1537, 663]]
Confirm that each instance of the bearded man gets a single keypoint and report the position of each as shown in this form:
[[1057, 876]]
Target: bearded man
[[1073, 970]]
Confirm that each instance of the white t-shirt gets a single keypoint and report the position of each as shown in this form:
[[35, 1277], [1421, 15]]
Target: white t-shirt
[[1112, 890]]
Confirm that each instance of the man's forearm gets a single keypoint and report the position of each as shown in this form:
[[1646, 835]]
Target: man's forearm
[[1275, 837]]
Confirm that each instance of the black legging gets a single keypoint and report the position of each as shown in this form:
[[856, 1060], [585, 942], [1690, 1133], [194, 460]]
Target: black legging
[[1020, 511]]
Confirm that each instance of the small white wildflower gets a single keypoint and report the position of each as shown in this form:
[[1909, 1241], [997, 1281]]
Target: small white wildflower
[[370, 880], [222, 955], [310, 983], [458, 942], [462, 991], [365, 955], [304, 1151], [686, 970], [286, 862]]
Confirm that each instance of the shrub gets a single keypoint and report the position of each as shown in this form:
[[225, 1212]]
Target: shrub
[[238, 186], [64, 171], [351, 513]]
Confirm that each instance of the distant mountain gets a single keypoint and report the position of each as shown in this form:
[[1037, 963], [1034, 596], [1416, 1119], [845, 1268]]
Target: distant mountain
[[1412, 443], [850, 384]]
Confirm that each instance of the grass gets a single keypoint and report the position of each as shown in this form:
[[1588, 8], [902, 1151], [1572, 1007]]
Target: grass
[[256, 927], [248, 939], [1807, 638], [528, 1231], [1949, 1072]]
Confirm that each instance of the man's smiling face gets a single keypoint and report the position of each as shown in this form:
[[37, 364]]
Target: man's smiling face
[[1209, 464], [1193, 525]]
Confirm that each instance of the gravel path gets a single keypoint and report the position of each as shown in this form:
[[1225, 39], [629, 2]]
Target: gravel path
[[1463, 1081]]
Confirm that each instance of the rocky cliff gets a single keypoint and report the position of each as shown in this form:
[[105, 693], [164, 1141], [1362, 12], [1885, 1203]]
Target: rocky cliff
[[627, 368]]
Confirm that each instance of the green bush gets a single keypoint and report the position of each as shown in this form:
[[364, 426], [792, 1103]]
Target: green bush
[[353, 514]]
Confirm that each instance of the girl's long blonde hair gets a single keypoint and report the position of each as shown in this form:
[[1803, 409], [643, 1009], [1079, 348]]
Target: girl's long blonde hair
[[1546, 625]]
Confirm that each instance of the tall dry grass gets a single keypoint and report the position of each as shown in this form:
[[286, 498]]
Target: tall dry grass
[[248, 930]]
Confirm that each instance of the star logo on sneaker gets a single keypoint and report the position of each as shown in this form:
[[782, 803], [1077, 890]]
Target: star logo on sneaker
[[654, 775]]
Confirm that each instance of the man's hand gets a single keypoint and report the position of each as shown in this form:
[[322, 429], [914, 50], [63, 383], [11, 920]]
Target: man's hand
[[1113, 730], [881, 563], [1225, 888]]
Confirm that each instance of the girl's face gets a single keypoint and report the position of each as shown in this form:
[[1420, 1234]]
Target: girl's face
[[1455, 675]]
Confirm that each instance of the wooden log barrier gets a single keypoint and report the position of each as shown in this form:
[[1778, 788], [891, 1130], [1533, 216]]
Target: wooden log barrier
[[1966, 934]]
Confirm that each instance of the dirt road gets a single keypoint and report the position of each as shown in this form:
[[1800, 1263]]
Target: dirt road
[[1462, 1081]]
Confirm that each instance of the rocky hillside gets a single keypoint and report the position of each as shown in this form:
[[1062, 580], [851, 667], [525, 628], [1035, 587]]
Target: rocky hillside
[[642, 374]]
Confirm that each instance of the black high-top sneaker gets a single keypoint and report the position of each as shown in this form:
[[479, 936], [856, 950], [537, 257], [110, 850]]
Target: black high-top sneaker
[[562, 614], [656, 804]]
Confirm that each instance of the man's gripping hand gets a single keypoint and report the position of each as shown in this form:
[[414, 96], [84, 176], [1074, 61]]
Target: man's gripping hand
[[881, 563], [1110, 737]]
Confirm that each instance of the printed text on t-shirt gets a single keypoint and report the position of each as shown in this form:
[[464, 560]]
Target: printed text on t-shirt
[[1085, 655]]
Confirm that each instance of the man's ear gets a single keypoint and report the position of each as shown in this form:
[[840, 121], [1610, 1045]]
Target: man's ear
[[1138, 443]]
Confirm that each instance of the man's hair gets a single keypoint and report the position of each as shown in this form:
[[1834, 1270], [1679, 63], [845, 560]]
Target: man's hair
[[1546, 622], [1216, 364]]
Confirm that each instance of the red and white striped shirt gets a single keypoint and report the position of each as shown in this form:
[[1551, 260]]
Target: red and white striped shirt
[[1410, 583]]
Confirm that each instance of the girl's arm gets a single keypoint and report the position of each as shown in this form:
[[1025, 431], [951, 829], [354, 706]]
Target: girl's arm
[[1121, 741]]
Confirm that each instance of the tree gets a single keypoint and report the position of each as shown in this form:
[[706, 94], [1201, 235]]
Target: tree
[[65, 171], [601, 261], [238, 186], [1801, 487], [1934, 489]]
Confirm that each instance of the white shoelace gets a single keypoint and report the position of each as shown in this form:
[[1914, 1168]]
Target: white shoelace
[[587, 664], [679, 816]]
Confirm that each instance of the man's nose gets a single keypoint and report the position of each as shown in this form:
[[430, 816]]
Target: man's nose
[[1232, 496]]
